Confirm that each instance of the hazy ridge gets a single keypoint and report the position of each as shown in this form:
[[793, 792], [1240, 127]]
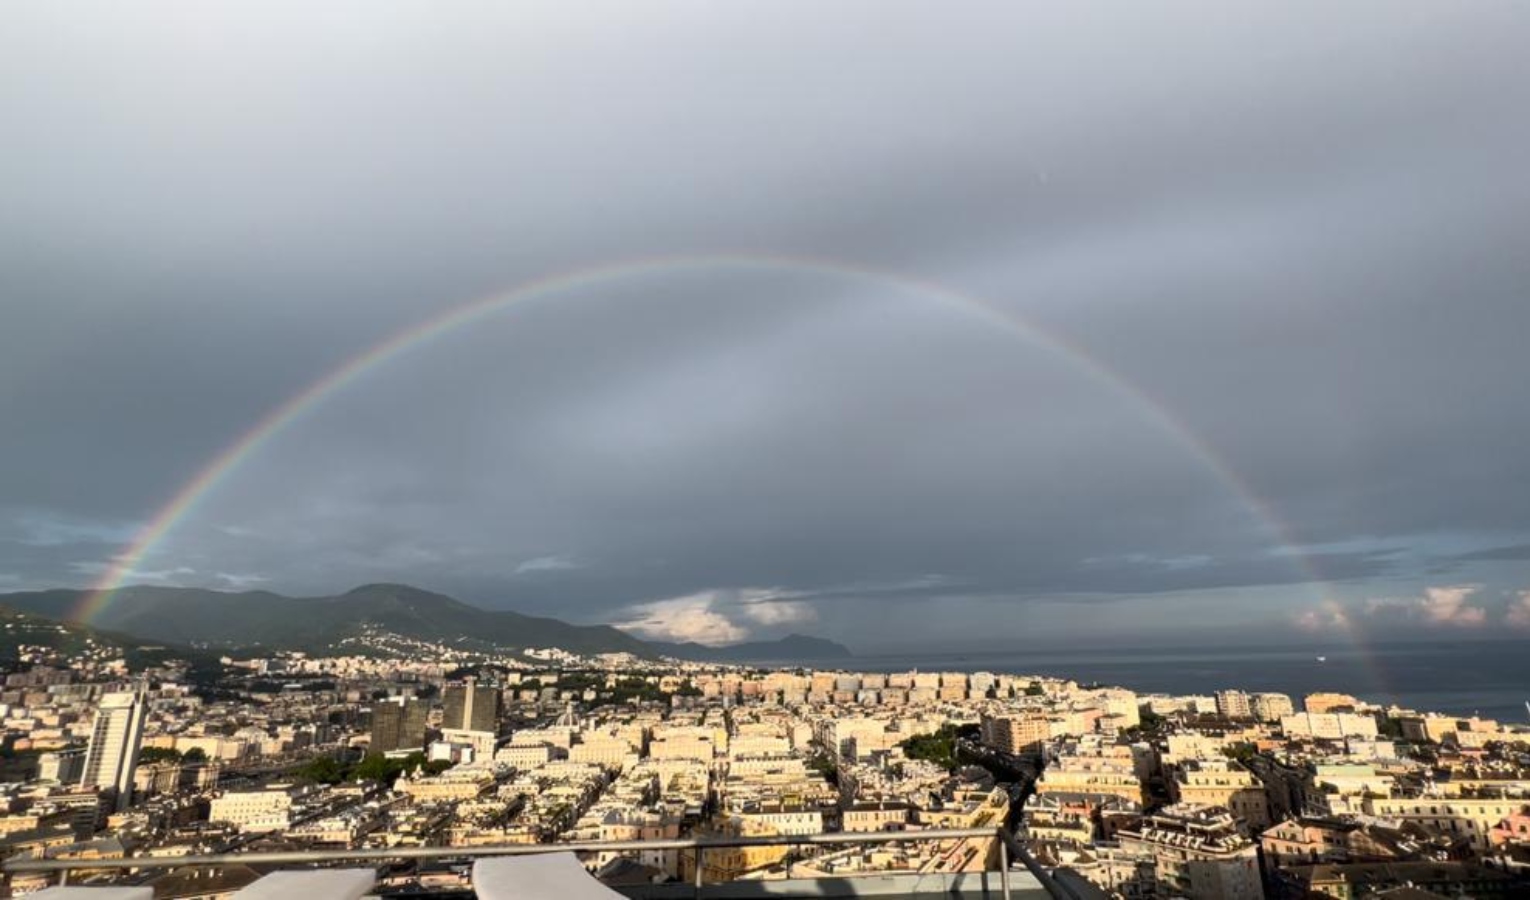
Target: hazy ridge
[[199, 616]]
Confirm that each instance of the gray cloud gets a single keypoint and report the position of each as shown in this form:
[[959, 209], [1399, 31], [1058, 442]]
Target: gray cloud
[[1298, 232], [1515, 552]]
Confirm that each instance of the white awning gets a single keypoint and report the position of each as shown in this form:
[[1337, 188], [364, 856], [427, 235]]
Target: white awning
[[544, 876], [318, 884]]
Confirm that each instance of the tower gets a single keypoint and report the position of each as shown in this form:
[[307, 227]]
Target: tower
[[115, 738], [399, 724], [469, 707]]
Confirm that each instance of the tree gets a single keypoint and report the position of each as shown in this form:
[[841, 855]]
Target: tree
[[157, 755], [194, 755], [826, 767], [323, 770], [376, 767], [1242, 751], [938, 748]]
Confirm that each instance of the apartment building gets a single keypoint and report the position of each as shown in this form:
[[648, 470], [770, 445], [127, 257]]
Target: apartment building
[[1198, 852]]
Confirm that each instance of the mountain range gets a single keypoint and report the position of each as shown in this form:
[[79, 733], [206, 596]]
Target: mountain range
[[262, 618]]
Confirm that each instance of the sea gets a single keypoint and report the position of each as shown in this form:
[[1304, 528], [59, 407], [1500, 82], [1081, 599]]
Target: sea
[[1487, 678]]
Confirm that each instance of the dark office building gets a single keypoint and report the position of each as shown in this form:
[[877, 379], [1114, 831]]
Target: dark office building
[[399, 725], [471, 707]]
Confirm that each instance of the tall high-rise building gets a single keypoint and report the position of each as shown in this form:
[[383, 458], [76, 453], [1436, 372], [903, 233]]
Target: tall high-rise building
[[399, 724], [112, 760], [471, 707]]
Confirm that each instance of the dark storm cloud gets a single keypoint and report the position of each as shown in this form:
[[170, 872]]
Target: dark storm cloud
[[1297, 230]]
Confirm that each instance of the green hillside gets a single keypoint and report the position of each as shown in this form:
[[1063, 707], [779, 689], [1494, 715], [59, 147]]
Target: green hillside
[[261, 618]]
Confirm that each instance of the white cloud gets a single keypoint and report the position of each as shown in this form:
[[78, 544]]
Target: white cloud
[[773, 609], [1518, 615], [558, 563], [1322, 620], [1445, 605], [241, 582], [133, 576], [689, 618], [719, 615]]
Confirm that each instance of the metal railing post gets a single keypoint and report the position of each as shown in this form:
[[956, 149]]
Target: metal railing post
[[700, 850], [1003, 867]]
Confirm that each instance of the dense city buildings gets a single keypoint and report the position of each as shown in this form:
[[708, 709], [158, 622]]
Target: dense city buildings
[[1199, 852], [1220, 794]]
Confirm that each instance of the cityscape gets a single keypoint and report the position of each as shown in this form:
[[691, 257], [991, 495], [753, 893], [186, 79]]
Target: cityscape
[[764, 449], [390, 744]]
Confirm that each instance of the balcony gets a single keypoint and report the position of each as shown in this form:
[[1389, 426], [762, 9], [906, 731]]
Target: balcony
[[1014, 876]]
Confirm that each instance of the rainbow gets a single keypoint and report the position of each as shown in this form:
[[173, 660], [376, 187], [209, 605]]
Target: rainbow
[[186, 499]]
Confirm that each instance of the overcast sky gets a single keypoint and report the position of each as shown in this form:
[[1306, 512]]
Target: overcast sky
[[1286, 242]]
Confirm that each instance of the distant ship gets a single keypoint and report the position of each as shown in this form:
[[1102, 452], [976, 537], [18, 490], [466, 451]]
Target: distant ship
[[1322, 659]]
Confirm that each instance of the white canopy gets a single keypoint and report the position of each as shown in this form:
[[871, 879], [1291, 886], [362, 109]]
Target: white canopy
[[544, 876], [317, 884]]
